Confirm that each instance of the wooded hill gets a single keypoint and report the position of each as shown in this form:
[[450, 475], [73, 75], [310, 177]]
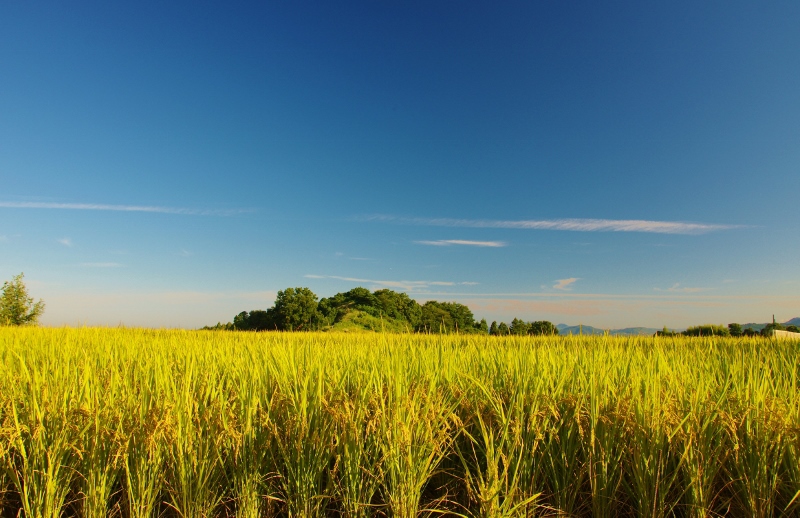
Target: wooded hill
[[298, 309]]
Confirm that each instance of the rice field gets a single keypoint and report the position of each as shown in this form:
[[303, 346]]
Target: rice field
[[182, 424]]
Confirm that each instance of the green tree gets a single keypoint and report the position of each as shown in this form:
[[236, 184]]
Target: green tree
[[256, 320], [219, 326], [384, 304], [493, 328], [295, 310], [735, 329], [435, 319], [483, 327], [793, 329], [502, 329], [543, 327], [666, 332], [446, 317], [707, 330], [16, 306], [519, 327], [398, 306], [770, 329]]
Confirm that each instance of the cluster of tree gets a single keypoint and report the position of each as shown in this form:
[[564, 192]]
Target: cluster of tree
[[733, 329], [522, 328], [298, 309], [17, 308], [736, 329]]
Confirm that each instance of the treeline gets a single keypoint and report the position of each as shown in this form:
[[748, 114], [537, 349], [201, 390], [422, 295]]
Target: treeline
[[521, 328], [733, 329], [299, 309]]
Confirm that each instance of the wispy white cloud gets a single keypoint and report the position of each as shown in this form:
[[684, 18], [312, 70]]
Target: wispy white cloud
[[677, 288], [118, 208], [564, 284], [415, 286], [569, 224], [449, 242], [65, 241], [102, 265]]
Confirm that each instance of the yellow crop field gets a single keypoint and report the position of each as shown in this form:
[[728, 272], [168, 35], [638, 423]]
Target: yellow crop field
[[143, 424]]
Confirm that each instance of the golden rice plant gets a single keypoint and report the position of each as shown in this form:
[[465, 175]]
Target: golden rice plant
[[248, 434], [40, 430], [359, 459], [180, 424], [193, 431], [503, 425], [303, 424], [417, 427]]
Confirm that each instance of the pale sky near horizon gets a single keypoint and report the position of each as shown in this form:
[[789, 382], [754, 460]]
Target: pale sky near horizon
[[169, 164]]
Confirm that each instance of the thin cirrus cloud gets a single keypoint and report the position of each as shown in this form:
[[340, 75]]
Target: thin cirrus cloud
[[564, 284], [65, 241], [677, 288], [568, 224], [463, 242], [116, 208], [404, 285]]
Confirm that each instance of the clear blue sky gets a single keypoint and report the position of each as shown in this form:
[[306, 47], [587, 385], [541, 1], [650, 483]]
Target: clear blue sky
[[173, 163]]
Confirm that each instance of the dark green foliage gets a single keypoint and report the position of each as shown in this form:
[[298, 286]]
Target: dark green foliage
[[483, 327], [256, 320], [793, 329], [386, 304], [295, 310], [519, 327], [446, 317], [219, 326], [493, 328], [667, 332], [543, 327], [399, 306], [707, 330], [435, 319], [769, 328], [735, 329]]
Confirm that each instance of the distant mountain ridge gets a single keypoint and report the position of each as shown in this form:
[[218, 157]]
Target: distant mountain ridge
[[564, 329], [758, 327]]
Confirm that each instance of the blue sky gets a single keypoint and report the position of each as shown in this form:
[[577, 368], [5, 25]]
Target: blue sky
[[612, 164]]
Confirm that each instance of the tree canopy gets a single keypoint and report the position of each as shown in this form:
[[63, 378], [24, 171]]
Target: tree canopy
[[707, 330], [16, 306], [297, 309], [519, 327]]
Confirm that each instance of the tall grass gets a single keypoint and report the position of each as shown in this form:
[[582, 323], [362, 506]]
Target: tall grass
[[102, 423]]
